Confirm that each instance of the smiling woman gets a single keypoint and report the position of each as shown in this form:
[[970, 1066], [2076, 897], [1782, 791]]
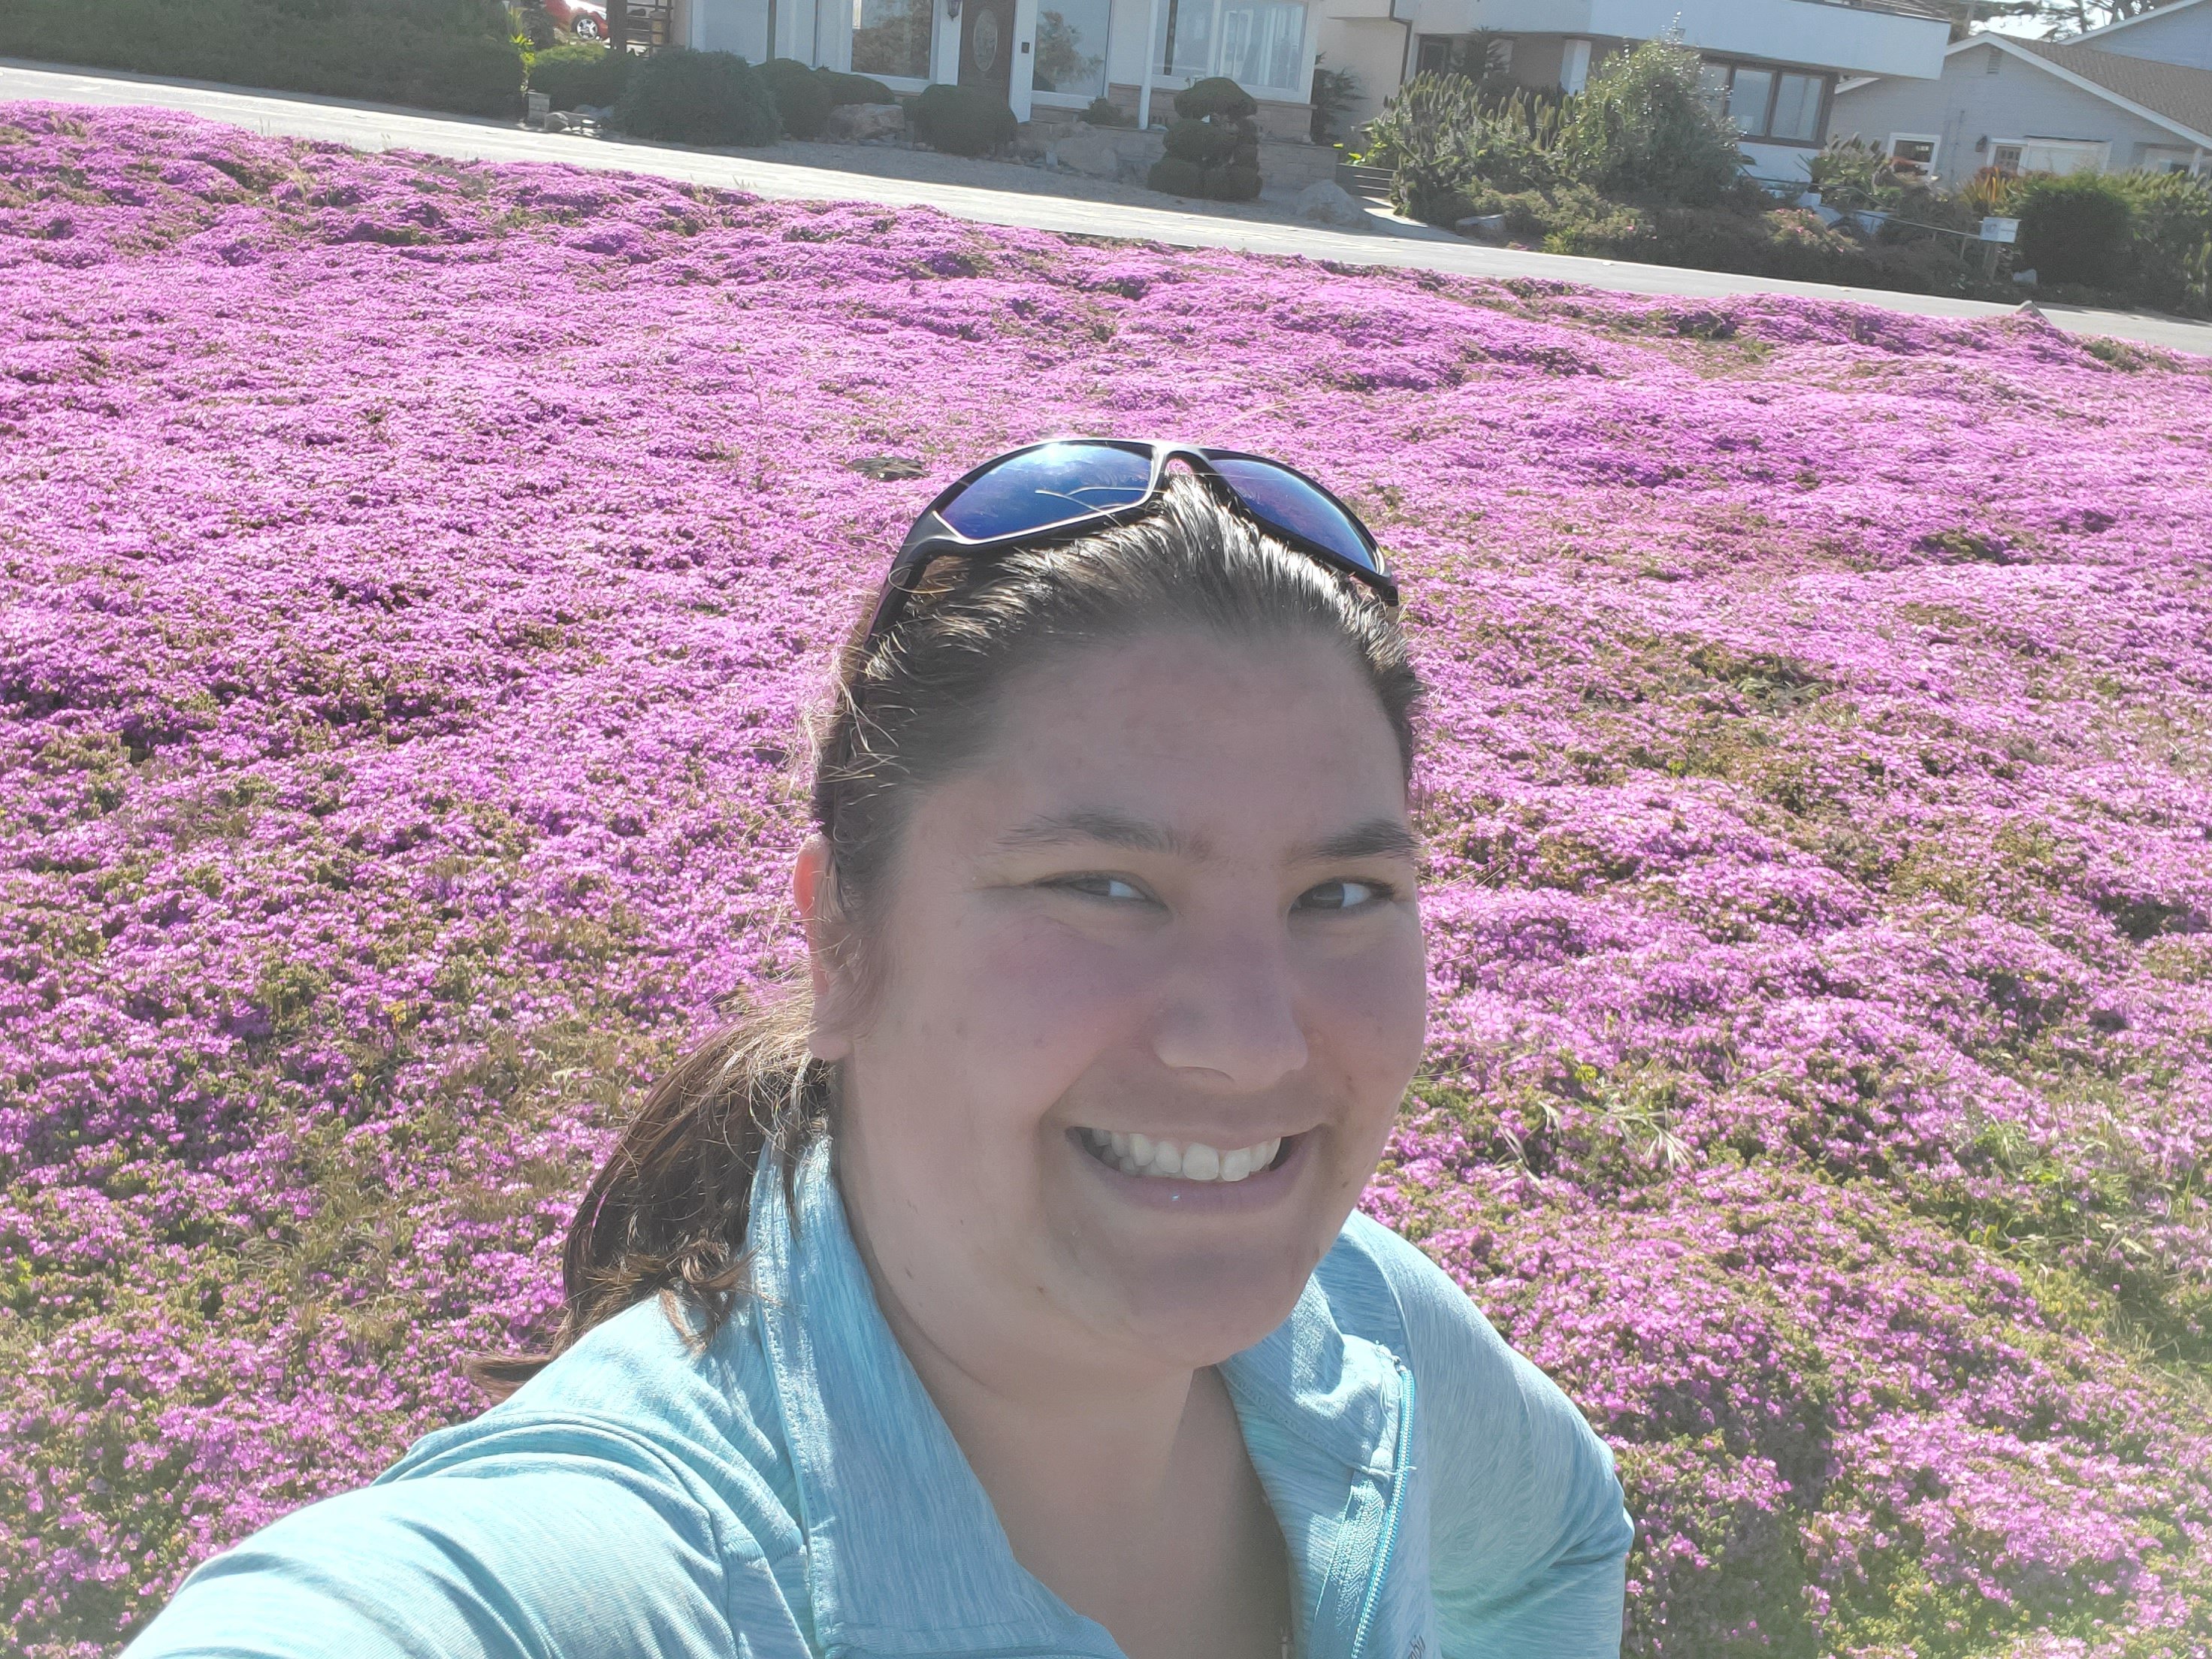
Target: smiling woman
[[1003, 1293]]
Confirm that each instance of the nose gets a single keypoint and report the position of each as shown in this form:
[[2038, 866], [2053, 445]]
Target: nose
[[1231, 1009]]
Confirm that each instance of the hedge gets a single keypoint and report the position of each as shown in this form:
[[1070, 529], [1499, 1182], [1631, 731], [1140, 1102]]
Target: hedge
[[433, 54], [689, 97], [582, 74], [962, 120]]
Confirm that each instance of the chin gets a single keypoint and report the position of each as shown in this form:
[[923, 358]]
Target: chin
[[1201, 1308]]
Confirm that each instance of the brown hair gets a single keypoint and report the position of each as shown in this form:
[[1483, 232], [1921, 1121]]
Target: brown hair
[[666, 1214]]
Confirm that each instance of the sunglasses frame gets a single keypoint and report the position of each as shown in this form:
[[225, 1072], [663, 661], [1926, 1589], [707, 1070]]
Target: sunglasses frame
[[932, 538]]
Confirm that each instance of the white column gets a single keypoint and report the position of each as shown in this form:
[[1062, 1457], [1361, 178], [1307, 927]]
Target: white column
[[1574, 65], [945, 48], [1023, 82], [1144, 77]]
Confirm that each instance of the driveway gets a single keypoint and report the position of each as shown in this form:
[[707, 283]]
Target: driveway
[[990, 192]]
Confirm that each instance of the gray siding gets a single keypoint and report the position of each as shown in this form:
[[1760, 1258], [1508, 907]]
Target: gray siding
[[1967, 104], [2183, 35]]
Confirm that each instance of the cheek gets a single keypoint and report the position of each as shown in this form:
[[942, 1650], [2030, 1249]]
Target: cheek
[[1376, 1008]]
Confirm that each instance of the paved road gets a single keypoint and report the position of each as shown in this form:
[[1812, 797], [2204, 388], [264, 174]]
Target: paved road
[[371, 126]]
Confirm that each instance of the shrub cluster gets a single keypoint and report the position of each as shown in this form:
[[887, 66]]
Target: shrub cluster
[[845, 88], [1213, 145], [802, 101], [1105, 112], [434, 54], [686, 97], [582, 74], [960, 120]]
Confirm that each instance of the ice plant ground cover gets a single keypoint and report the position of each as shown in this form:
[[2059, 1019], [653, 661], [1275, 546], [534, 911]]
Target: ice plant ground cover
[[413, 573]]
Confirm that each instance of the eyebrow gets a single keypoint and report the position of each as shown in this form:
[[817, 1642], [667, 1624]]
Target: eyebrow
[[1375, 838]]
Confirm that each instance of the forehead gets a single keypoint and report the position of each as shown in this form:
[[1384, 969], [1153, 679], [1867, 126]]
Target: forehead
[[1228, 744]]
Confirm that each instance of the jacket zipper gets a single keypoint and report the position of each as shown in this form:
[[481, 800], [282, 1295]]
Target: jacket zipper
[[1389, 1540]]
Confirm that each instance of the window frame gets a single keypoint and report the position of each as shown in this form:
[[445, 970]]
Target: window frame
[[1765, 134], [1933, 140], [1164, 79]]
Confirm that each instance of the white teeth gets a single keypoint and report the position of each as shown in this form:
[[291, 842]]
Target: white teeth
[[1140, 1155]]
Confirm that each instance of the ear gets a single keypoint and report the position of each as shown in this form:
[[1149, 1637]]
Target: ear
[[814, 891]]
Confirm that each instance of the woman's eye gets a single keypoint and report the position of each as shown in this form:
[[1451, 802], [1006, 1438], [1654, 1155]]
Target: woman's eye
[[1343, 896], [1100, 887]]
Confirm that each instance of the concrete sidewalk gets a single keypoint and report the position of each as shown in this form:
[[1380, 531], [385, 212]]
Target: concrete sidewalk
[[988, 192]]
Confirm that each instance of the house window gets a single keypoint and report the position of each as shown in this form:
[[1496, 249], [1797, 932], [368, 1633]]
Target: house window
[[1259, 44], [2005, 158], [1779, 106], [1263, 45], [1071, 48], [1912, 152], [1434, 55], [891, 37]]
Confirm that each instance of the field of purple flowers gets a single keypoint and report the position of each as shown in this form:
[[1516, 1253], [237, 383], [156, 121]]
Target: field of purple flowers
[[410, 577]]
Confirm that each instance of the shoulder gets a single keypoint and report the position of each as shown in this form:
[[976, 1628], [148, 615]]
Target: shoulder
[[633, 1400], [1382, 1288]]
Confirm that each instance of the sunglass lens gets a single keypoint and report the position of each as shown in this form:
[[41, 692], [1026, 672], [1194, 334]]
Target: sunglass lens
[[1048, 485], [1279, 493]]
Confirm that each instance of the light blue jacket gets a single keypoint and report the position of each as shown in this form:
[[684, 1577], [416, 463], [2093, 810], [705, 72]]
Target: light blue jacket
[[793, 1492]]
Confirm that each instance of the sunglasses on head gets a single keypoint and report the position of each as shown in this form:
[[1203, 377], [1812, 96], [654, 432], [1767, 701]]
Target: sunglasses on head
[[1071, 487]]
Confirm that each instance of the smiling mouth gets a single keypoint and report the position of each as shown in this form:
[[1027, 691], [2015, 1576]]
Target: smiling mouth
[[1140, 1155]]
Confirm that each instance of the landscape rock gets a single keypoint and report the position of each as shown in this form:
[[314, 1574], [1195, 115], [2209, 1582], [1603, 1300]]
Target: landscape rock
[[1327, 202], [1482, 224], [857, 124], [1093, 150]]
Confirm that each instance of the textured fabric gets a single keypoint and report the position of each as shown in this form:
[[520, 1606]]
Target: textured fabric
[[791, 1491]]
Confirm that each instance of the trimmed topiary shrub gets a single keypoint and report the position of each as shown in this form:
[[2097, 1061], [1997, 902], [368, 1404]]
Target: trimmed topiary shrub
[[1213, 150], [1105, 112], [689, 97], [1202, 141], [2073, 229], [802, 102], [845, 88], [962, 120], [1216, 97], [1173, 176], [582, 74]]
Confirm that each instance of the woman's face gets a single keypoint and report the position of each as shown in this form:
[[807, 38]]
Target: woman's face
[[1171, 916]]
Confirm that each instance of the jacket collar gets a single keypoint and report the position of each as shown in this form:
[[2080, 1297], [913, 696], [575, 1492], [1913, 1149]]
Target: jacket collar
[[905, 1554]]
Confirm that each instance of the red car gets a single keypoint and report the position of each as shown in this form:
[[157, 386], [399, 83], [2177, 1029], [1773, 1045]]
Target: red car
[[585, 19]]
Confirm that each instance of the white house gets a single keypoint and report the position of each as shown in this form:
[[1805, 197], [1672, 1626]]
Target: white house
[[2135, 94], [1048, 59], [1774, 63]]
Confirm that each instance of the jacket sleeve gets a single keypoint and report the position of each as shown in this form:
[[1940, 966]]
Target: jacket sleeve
[[1529, 1535], [524, 1555]]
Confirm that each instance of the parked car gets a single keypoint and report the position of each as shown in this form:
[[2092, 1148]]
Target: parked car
[[585, 19]]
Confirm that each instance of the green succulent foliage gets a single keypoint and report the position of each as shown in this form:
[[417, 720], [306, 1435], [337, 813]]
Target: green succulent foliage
[[800, 98], [962, 120], [686, 97]]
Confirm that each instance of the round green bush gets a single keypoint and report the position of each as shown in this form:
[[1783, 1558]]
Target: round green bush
[[1174, 176], [1215, 95], [802, 101], [845, 88], [582, 74], [1201, 142], [960, 120], [688, 97], [1233, 183], [2073, 229]]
